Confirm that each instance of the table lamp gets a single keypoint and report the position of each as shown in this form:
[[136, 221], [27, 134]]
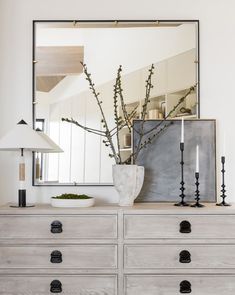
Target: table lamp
[[21, 138]]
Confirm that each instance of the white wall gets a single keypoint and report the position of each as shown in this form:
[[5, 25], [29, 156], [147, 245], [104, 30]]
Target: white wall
[[217, 42]]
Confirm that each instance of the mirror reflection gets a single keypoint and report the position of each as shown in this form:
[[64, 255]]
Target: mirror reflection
[[62, 91]]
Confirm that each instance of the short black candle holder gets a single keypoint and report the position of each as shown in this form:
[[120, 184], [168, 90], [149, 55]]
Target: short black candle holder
[[182, 203], [197, 193], [223, 190]]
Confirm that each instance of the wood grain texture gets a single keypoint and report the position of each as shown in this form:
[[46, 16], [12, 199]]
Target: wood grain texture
[[137, 209], [47, 83], [82, 226], [77, 256], [71, 285], [162, 227], [59, 60], [109, 250], [169, 285], [167, 256]]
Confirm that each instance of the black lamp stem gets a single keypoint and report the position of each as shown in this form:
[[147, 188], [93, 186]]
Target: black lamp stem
[[197, 192], [22, 191], [182, 188], [223, 190]]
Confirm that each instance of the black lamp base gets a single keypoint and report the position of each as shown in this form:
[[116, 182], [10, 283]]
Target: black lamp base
[[26, 206], [197, 205], [223, 204], [181, 204], [22, 200]]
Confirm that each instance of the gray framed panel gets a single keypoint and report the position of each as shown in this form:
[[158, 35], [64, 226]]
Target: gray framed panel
[[161, 160]]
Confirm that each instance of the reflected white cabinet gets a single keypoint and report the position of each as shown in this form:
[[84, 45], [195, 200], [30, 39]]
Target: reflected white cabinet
[[181, 71], [171, 80], [132, 86], [148, 249]]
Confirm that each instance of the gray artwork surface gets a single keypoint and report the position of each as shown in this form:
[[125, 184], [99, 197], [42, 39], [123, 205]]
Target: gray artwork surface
[[161, 160]]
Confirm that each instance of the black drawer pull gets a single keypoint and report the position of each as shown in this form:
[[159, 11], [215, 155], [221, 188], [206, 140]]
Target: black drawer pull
[[185, 287], [56, 227], [185, 257], [56, 287], [185, 227], [56, 256]]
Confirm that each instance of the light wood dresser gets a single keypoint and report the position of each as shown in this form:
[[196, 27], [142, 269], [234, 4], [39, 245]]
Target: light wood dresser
[[148, 249]]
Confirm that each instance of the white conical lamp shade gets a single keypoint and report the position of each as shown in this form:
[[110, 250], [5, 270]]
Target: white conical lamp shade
[[24, 137], [54, 147]]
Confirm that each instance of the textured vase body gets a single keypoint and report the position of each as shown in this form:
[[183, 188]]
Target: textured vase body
[[128, 181]]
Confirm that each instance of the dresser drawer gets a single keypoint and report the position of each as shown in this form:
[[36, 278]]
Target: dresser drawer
[[76, 256], [58, 227], [70, 285], [170, 285], [170, 226], [175, 256]]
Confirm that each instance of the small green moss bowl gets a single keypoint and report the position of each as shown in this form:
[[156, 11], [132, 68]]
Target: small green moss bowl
[[72, 200]]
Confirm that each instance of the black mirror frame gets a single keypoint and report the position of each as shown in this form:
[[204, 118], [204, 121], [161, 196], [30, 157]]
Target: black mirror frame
[[35, 22]]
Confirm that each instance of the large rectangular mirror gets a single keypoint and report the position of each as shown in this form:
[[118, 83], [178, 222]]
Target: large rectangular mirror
[[60, 88]]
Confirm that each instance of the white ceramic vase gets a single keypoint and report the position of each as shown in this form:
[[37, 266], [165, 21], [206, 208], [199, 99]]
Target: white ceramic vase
[[128, 181]]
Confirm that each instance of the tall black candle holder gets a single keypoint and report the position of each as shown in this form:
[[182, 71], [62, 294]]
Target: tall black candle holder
[[223, 190], [197, 193], [182, 188]]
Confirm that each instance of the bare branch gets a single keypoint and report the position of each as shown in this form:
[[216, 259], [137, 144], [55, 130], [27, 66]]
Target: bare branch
[[88, 129], [104, 121], [147, 142], [148, 88], [120, 122], [116, 116], [123, 123], [120, 92]]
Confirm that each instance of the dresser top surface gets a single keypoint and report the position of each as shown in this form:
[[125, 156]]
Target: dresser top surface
[[138, 208]]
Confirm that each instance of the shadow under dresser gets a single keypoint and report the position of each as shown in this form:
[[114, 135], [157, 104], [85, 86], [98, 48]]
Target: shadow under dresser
[[148, 249]]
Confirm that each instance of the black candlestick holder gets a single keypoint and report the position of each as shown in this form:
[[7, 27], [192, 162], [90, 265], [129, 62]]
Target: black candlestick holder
[[182, 188], [223, 190], [197, 193]]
